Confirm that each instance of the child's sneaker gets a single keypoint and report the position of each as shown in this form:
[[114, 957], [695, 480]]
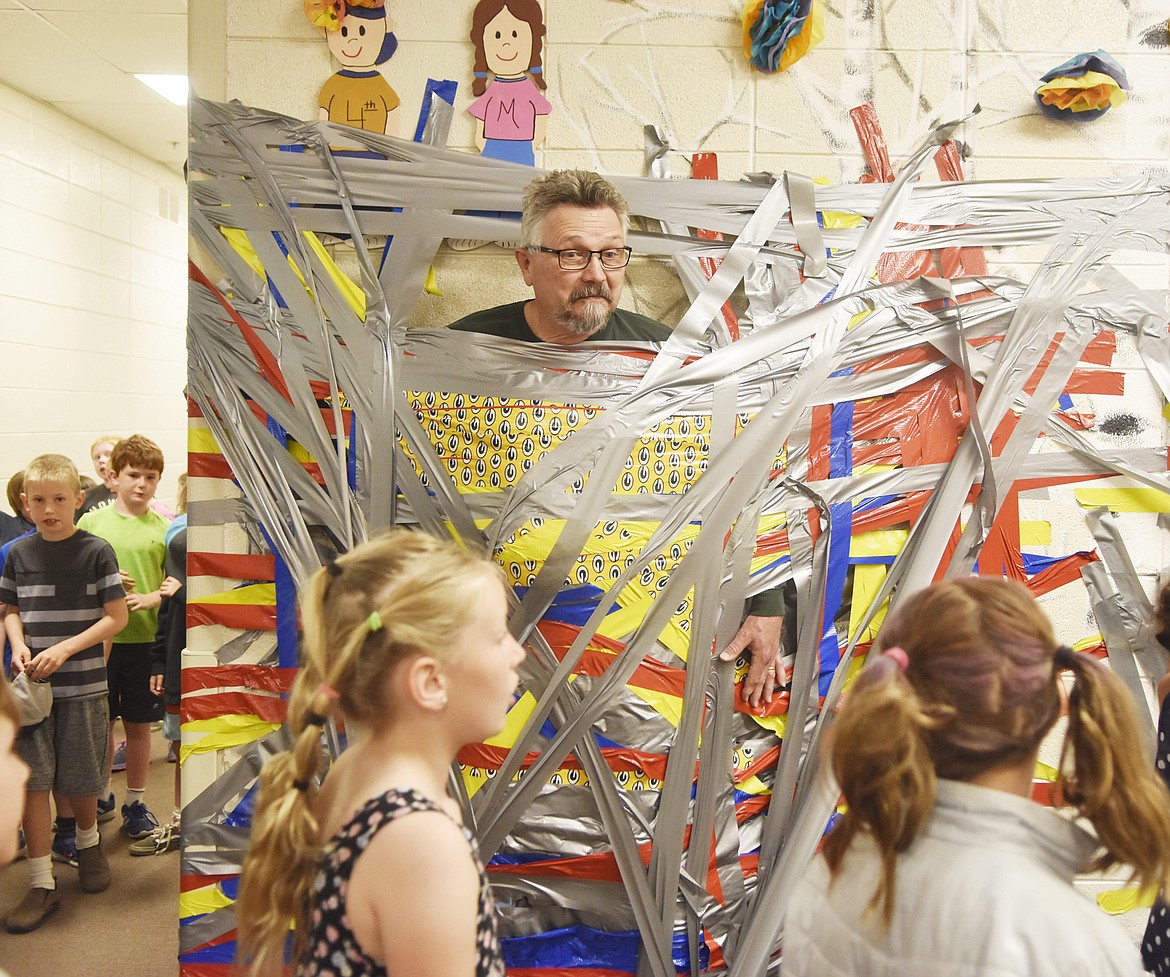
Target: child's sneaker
[[65, 848], [119, 763], [137, 821], [160, 841], [106, 807], [93, 869], [36, 906]]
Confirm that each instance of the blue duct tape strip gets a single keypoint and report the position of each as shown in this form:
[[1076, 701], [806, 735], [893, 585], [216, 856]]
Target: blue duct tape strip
[[271, 284], [876, 502], [841, 534], [351, 454], [287, 639], [286, 615], [573, 605], [435, 88], [241, 815], [222, 953], [579, 947]]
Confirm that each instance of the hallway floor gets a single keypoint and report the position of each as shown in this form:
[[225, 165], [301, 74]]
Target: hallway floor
[[130, 930]]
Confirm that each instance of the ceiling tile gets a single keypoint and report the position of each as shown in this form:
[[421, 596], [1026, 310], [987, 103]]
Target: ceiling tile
[[157, 44]]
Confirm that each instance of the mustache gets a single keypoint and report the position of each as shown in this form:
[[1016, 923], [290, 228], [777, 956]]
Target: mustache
[[593, 290]]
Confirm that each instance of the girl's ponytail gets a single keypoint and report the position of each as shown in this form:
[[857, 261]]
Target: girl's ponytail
[[285, 842], [883, 766], [1106, 772]]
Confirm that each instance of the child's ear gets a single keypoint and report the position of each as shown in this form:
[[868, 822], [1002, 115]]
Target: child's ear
[[80, 500], [426, 684]]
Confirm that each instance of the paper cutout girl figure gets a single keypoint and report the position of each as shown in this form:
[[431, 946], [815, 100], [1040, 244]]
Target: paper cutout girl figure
[[511, 112], [360, 36]]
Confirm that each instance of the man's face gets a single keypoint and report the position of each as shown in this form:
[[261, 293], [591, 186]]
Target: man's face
[[577, 302]]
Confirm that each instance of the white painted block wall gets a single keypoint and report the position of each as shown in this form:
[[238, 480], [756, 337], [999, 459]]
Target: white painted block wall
[[93, 307]]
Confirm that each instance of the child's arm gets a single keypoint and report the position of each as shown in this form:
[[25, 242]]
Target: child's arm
[[14, 629], [53, 657], [144, 602]]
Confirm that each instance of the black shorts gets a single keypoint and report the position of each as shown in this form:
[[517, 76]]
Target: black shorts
[[128, 676]]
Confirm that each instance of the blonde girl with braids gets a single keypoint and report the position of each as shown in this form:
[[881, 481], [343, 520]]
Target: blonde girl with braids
[[942, 865], [406, 637]]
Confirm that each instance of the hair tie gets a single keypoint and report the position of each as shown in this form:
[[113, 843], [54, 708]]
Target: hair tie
[[332, 567], [328, 691], [301, 785], [898, 656], [480, 74], [1065, 657], [536, 69], [316, 719], [374, 622]]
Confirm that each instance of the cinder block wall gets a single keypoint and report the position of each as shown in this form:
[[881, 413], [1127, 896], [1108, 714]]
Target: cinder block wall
[[93, 306]]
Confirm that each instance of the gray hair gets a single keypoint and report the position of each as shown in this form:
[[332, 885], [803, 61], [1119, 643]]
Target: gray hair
[[576, 188]]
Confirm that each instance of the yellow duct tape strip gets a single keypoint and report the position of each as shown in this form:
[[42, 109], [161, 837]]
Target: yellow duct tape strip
[[1126, 900], [200, 902], [1124, 499], [257, 593], [202, 441], [224, 732]]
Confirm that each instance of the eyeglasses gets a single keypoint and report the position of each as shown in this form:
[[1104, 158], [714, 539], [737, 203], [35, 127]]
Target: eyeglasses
[[575, 259]]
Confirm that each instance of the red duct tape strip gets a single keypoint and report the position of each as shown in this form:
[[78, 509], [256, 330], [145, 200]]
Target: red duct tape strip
[[236, 566], [266, 363], [207, 465], [268, 708], [244, 617], [260, 677], [705, 166]]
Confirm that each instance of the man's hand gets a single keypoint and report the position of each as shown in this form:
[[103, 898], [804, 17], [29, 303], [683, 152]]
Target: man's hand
[[143, 602], [128, 581], [760, 636], [170, 586], [156, 684]]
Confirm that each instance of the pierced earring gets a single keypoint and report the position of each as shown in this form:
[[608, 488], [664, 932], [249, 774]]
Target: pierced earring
[[443, 699]]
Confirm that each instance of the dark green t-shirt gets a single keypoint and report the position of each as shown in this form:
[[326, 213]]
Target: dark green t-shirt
[[508, 322]]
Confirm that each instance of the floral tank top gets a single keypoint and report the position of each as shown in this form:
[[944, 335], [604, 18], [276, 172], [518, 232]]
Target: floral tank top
[[332, 950]]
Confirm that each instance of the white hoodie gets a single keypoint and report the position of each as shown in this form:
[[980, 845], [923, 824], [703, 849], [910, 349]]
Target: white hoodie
[[985, 890]]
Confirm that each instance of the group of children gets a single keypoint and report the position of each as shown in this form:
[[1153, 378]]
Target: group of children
[[942, 862], [81, 600]]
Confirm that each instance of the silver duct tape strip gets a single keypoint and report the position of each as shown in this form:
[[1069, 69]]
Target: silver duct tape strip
[[1155, 350], [1110, 611], [1135, 608], [214, 925], [218, 512], [780, 370], [810, 240]]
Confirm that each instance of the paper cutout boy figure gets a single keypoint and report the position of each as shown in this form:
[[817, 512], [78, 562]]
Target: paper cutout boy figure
[[360, 36], [511, 112]]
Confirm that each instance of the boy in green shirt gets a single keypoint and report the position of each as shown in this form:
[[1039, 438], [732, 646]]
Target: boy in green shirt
[[136, 533]]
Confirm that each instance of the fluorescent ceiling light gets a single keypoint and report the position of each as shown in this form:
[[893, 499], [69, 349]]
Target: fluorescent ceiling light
[[171, 87]]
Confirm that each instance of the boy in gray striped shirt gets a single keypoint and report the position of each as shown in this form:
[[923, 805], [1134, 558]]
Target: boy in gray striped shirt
[[65, 598]]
